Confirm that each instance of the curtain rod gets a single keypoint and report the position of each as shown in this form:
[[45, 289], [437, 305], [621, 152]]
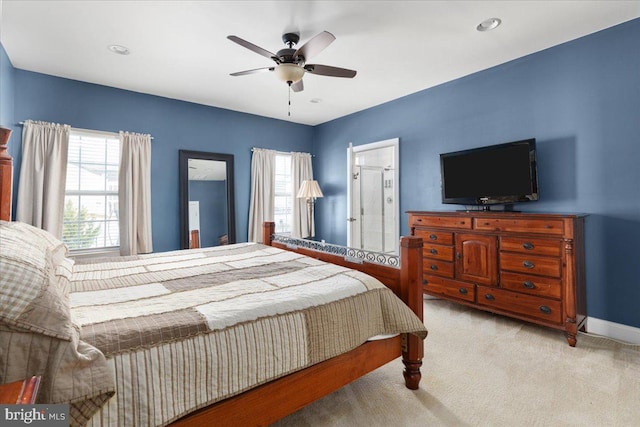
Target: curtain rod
[[102, 132], [279, 152]]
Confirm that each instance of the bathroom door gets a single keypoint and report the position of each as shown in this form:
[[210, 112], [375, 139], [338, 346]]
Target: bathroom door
[[372, 193]]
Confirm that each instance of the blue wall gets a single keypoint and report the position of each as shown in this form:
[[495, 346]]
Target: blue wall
[[580, 100], [6, 89], [175, 125], [7, 97]]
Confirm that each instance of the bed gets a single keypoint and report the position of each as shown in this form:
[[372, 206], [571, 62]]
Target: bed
[[200, 359]]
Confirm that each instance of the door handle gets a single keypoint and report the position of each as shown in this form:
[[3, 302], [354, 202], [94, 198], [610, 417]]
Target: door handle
[[350, 219]]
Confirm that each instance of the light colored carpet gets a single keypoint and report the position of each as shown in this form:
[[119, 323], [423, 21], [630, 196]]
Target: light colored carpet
[[486, 370]]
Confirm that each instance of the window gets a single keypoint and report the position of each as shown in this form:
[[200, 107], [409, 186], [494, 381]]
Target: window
[[283, 202], [91, 193]]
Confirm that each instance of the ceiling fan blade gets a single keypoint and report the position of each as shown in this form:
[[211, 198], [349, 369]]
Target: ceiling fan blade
[[254, 48], [326, 70], [254, 71], [298, 86], [315, 45]]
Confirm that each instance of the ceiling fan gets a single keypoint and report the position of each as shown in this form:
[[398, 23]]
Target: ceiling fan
[[291, 64]]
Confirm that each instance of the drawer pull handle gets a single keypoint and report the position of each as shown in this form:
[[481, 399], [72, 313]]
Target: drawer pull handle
[[419, 219], [545, 309], [433, 237], [434, 251], [433, 267], [489, 297], [527, 245], [529, 284], [463, 291], [425, 282], [528, 264]]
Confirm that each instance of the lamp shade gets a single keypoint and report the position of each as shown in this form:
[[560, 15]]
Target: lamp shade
[[289, 72], [309, 188]]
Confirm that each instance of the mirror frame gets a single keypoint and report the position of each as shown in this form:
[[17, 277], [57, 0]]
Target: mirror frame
[[183, 168]]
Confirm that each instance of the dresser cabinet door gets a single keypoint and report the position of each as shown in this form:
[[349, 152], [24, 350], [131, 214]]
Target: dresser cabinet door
[[476, 258]]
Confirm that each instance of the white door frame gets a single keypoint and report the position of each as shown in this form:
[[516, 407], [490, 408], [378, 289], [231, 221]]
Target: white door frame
[[351, 151]]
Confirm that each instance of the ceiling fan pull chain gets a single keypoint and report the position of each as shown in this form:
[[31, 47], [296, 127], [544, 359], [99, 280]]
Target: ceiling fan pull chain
[[289, 99]]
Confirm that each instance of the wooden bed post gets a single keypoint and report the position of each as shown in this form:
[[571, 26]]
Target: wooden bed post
[[411, 294], [268, 228], [195, 239], [6, 175]]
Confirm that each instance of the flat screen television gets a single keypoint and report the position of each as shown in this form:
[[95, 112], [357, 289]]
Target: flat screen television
[[496, 174]]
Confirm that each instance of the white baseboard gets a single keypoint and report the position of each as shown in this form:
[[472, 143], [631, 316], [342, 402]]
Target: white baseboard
[[613, 330]]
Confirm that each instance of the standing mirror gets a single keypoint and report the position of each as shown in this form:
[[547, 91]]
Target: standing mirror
[[207, 210]]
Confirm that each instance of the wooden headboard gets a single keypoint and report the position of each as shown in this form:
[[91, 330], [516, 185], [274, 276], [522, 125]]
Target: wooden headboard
[[6, 175]]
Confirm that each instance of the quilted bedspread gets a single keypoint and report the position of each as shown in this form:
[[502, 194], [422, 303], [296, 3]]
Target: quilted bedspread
[[180, 330]]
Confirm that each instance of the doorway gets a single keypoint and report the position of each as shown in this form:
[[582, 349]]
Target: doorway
[[373, 196]]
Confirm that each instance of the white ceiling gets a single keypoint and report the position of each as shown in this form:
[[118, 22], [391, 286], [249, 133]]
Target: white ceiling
[[179, 49]]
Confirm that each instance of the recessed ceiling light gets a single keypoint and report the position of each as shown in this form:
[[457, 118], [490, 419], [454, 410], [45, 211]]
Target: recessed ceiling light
[[120, 50], [489, 24], [316, 101]]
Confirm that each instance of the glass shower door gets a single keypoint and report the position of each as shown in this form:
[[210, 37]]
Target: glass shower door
[[371, 208]]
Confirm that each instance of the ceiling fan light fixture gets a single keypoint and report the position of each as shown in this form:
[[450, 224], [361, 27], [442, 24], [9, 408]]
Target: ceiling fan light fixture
[[489, 24], [289, 73]]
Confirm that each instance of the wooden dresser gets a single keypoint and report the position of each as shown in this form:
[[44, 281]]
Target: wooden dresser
[[526, 266]]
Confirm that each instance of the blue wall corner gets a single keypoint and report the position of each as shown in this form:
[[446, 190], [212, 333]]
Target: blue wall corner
[[7, 110]]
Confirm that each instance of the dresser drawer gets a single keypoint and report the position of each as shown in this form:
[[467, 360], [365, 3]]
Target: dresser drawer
[[439, 268], [439, 237], [515, 302], [543, 266], [547, 247], [449, 288], [440, 221], [430, 250], [534, 285], [546, 226]]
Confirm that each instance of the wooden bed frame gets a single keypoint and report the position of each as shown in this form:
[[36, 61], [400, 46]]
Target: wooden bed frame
[[6, 173], [274, 400]]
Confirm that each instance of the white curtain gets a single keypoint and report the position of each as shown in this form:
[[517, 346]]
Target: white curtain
[[263, 180], [301, 170], [43, 175], [134, 194]]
